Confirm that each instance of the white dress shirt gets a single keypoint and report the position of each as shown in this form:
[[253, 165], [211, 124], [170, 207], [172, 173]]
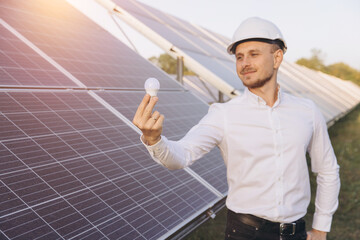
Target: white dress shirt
[[264, 149]]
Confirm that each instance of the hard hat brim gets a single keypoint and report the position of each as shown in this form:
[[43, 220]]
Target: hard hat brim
[[232, 47]]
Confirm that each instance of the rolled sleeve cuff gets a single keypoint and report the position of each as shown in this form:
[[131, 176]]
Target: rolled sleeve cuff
[[156, 149], [322, 222]]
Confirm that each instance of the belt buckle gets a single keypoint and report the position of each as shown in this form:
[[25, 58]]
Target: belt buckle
[[284, 230]]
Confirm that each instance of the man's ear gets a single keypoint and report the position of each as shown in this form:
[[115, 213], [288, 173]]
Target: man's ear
[[278, 57]]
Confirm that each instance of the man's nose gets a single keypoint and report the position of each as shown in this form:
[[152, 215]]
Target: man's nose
[[245, 62]]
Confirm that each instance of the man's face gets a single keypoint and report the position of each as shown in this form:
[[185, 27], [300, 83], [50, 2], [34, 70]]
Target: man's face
[[255, 63]]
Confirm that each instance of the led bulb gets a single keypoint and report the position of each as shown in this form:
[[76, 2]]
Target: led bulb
[[152, 86]]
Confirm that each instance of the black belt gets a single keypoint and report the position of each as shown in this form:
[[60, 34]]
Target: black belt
[[284, 229]]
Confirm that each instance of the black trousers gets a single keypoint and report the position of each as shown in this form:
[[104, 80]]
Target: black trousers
[[249, 227]]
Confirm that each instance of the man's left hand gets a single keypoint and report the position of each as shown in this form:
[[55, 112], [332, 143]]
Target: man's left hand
[[316, 235]]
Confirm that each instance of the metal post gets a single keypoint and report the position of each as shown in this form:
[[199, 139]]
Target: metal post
[[221, 97], [180, 69]]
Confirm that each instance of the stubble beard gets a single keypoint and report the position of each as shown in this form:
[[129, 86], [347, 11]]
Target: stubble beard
[[259, 83]]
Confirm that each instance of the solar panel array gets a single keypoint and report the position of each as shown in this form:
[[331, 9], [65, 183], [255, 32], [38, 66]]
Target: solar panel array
[[332, 98], [71, 164], [197, 43], [173, 106], [208, 49], [22, 66], [98, 60], [202, 89]]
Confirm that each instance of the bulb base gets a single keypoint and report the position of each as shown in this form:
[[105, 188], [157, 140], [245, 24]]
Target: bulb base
[[152, 92]]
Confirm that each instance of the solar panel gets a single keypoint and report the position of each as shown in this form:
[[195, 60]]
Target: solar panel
[[203, 48], [329, 101], [81, 47], [192, 41], [352, 89], [70, 167], [341, 99], [22, 66], [182, 111], [85, 178], [201, 89]]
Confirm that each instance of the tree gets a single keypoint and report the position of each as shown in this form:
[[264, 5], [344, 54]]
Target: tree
[[315, 62], [344, 71], [340, 70], [168, 64]]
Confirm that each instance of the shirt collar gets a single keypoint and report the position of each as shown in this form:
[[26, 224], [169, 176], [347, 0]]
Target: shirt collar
[[253, 98]]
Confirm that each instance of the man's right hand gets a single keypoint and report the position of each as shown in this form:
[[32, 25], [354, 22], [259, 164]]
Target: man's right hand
[[150, 123]]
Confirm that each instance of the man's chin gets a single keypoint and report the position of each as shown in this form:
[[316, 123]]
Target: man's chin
[[253, 85]]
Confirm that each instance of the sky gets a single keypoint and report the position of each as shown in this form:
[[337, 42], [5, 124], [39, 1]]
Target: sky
[[331, 26]]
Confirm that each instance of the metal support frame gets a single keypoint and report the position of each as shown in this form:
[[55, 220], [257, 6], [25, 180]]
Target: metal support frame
[[180, 69], [202, 218], [221, 97]]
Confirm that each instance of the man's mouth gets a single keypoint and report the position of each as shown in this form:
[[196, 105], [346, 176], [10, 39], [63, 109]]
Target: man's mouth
[[247, 72]]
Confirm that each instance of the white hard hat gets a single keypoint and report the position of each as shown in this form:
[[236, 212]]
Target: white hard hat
[[257, 29]]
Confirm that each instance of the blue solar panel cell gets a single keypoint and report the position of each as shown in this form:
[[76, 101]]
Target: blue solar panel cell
[[53, 122], [31, 127], [91, 206], [29, 152], [213, 170], [18, 226], [28, 187], [84, 172], [63, 218], [8, 129], [11, 203], [8, 104], [9, 161], [20, 65], [114, 197], [59, 178], [118, 228]]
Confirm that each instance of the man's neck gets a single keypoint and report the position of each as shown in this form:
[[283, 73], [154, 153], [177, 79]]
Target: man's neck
[[268, 92]]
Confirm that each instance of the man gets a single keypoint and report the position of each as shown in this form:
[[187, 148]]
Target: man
[[263, 136]]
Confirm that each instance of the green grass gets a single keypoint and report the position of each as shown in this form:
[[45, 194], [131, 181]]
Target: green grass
[[345, 138]]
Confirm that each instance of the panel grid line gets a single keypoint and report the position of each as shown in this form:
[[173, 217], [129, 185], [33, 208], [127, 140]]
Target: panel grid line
[[62, 197], [81, 190], [76, 158], [131, 209], [29, 207], [41, 53], [4, 234]]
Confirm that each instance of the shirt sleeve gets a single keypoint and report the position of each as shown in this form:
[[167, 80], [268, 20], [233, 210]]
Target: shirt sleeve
[[324, 164], [198, 141]]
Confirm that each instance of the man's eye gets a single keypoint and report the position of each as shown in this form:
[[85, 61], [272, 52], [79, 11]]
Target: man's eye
[[254, 54]]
